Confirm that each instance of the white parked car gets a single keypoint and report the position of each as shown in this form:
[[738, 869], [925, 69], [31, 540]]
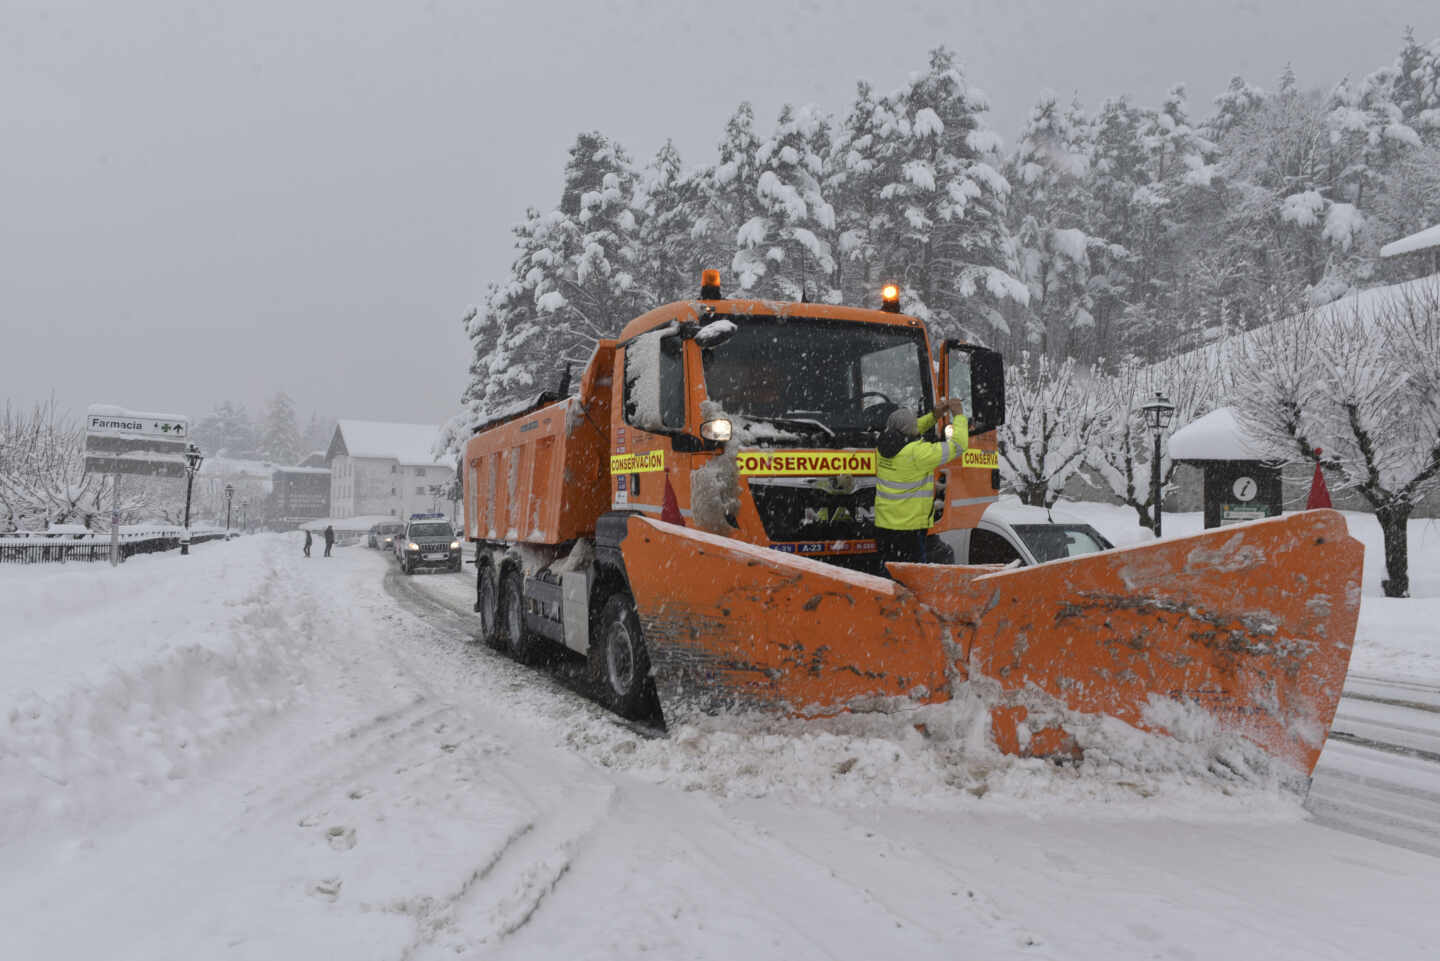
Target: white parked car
[[1032, 535]]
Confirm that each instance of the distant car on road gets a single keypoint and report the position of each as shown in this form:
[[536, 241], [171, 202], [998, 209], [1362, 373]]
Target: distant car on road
[[1031, 535], [382, 536], [428, 541]]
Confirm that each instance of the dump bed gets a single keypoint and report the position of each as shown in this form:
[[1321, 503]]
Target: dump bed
[[542, 477]]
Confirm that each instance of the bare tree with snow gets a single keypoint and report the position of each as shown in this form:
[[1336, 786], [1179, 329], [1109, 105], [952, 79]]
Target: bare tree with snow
[[1359, 380], [1053, 414], [1123, 450]]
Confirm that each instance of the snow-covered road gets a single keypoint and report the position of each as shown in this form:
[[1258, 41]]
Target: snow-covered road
[[249, 754], [1379, 775]]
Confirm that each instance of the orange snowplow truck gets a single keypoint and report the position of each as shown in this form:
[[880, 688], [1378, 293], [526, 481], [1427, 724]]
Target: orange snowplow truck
[[699, 521]]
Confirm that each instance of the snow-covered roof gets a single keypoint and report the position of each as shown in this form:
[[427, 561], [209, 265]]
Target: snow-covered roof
[[1216, 436], [411, 444], [1429, 237]]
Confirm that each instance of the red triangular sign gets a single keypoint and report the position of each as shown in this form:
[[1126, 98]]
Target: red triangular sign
[[670, 510], [1319, 493]]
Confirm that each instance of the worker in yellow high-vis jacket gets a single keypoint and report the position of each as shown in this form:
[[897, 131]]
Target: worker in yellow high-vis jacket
[[905, 479]]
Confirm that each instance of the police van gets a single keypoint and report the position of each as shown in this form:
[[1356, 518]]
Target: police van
[[427, 541]]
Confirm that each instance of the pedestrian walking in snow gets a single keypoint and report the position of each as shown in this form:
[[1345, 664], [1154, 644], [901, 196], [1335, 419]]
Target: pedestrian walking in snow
[[307, 543], [329, 539]]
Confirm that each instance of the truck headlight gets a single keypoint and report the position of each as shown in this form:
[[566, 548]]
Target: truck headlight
[[454, 545], [717, 430], [412, 546]]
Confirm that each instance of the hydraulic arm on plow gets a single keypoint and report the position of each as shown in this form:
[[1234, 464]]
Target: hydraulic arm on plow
[[699, 522]]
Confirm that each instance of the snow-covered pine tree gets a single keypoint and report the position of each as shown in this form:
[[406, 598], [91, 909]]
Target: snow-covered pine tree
[[599, 283], [318, 432], [781, 251], [1117, 174], [504, 332], [1417, 87], [943, 218], [1277, 165], [227, 431], [280, 438], [1367, 130], [729, 196], [671, 201], [1232, 108], [572, 283], [855, 175], [1046, 212]]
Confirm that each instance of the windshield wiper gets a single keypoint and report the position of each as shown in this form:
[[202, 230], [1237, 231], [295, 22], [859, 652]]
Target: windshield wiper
[[801, 421]]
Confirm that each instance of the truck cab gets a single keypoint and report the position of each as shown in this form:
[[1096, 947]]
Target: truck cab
[[758, 420]]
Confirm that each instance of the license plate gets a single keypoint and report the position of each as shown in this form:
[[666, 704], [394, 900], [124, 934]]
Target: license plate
[[436, 557]]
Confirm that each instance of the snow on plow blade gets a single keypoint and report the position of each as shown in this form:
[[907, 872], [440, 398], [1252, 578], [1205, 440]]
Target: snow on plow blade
[[1244, 630]]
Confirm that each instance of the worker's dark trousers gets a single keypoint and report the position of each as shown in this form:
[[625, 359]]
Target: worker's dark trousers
[[906, 546]]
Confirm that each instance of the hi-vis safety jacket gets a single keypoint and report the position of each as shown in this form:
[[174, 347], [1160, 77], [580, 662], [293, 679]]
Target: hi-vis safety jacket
[[905, 483]]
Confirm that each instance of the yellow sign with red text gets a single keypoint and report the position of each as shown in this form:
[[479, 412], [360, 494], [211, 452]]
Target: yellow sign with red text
[[984, 459], [805, 463], [640, 462]]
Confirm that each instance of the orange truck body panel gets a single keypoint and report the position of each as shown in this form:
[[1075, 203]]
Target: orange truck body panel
[[544, 477]]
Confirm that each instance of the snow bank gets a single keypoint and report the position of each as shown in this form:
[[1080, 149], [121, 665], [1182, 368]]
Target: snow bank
[[99, 715]]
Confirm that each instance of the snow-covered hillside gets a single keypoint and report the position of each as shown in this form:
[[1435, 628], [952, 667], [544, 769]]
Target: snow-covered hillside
[[250, 754]]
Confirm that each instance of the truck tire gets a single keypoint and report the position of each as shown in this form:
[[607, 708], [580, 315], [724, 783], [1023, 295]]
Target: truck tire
[[487, 605], [620, 661], [518, 641]]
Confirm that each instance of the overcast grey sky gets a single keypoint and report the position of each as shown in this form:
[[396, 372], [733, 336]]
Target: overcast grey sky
[[212, 200]]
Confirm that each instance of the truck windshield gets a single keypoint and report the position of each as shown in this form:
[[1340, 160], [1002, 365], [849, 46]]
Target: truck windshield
[[843, 375], [430, 530]]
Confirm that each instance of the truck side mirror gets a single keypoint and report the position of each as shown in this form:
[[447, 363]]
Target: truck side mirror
[[975, 376], [655, 382]]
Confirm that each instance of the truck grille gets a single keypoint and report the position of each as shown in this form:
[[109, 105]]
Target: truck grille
[[815, 509]]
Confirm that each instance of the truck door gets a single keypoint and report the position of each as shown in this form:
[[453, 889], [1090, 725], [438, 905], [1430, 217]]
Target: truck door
[[653, 406], [975, 376]]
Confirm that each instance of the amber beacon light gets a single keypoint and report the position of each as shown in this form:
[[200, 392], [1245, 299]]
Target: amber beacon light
[[890, 299], [710, 285]]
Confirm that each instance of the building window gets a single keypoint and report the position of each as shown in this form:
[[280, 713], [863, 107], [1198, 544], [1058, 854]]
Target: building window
[[394, 468], [392, 492], [420, 491], [419, 472]]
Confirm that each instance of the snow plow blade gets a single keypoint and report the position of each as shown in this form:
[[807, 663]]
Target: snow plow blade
[[1244, 630]]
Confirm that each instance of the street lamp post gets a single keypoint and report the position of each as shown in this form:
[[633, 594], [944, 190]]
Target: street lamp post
[[229, 496], [193, 459], [1157, 415]]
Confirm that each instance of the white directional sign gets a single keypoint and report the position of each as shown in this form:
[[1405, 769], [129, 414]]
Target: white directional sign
[[120, 441]]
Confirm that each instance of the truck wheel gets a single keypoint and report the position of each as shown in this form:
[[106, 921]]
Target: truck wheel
[[487, 605], [620, 661], [518, 641]]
